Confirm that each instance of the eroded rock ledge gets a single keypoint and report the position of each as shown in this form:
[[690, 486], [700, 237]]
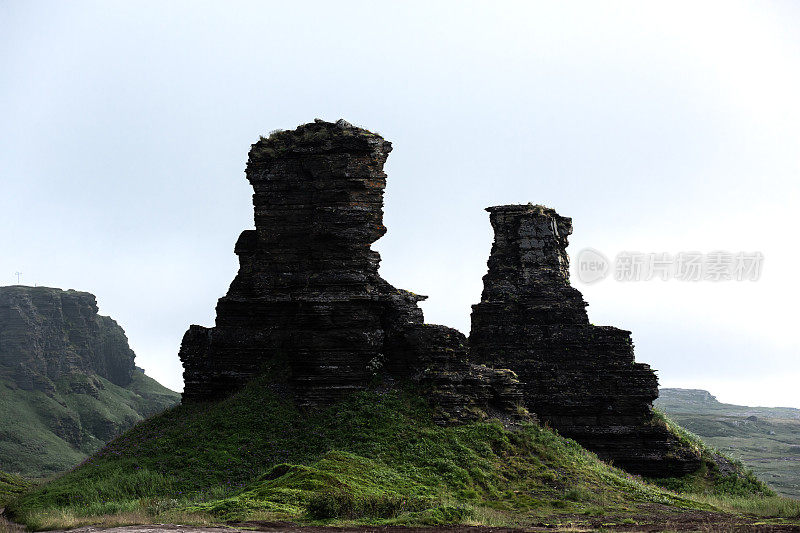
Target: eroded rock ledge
[[308, 295], [580, 378]]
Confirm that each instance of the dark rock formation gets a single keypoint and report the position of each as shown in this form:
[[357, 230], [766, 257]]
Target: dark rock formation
[[308, 295], [47, 333], [580, 378], [68, 383]]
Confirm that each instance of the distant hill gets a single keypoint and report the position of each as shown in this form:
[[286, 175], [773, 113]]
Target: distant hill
[[703, 402], [68, 382], [767, 439]]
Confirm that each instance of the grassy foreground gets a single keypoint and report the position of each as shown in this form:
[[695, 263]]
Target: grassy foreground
[[373, 458]]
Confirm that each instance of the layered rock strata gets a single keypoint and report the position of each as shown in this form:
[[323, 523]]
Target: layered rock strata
[[308, 295], [580, 378]]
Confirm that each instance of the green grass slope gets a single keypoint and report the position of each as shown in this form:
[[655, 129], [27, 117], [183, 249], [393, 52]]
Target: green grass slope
[[373, 458], [44, 433], [11, 486], [765, 439]]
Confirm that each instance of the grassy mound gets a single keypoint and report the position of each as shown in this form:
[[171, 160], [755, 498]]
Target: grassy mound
[[372, 458]]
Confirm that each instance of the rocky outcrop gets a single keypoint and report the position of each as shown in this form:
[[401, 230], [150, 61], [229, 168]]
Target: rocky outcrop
[[308, 296], [68, 383], [48, 333], [579, 378]]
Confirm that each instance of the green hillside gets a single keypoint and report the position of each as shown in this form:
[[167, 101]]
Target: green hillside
[[46, 432], [373, 458], [766, 439]]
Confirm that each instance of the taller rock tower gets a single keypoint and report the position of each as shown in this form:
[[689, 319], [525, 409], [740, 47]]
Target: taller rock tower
[[308, 295], [308, 289], [580, 378]]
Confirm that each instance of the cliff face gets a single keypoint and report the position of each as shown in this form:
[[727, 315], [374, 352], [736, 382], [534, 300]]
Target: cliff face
[[580, 378], [308, 295], [68, 382], [47, 333]]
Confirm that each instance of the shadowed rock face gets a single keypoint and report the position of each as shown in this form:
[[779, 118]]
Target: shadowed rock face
[[308, 294], [580, 378], [48, 333]]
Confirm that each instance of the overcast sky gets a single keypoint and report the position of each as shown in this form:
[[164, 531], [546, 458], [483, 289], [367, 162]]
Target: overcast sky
[[658, 127]]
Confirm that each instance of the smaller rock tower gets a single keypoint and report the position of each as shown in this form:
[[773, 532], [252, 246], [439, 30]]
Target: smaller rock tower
[[580, 378]]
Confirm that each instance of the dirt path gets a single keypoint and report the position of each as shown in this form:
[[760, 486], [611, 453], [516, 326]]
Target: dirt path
[[654, 519], [698, 521]]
